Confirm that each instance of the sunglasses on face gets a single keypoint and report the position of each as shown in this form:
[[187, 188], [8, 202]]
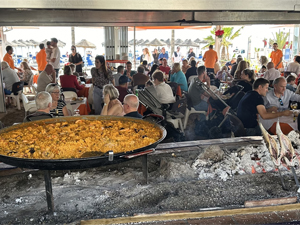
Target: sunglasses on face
[[72, 49], [280, 101]]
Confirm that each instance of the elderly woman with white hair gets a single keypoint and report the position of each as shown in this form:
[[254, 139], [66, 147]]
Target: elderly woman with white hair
[[9, 77], [58, 107], [112, 106]]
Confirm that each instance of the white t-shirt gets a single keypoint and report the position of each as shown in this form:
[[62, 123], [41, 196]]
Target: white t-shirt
[[55, 54], [164, 93], [271, 74], [294, 67], [178, 58]]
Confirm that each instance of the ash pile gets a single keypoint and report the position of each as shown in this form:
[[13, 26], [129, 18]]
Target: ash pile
[[217, 163]]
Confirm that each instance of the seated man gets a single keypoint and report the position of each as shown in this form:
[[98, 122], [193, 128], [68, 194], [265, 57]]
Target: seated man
[[279, 98], [271, 73], [200, 98], [9, 77], [123, 87], [140, 78], [164, 91], [131, 105], [294, 67], [252, 104], [164, 67], [120, 70], [43, 101], [46, 77]]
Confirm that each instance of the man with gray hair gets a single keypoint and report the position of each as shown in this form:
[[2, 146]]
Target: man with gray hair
[[9, 77], [131, 105], [279, 98], [140, 78], [43, 101], [55, 56], [271, 74]]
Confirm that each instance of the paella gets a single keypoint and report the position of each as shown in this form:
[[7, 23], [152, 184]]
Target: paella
[[74, 139]]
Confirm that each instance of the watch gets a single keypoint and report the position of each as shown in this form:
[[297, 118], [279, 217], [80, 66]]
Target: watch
[[105, 103]]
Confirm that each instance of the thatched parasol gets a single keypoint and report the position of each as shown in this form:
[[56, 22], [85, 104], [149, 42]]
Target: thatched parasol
[[189, 43], [144, 43], [139, 42], [178, 41], [168, 42], [156, 42], [60, 44]]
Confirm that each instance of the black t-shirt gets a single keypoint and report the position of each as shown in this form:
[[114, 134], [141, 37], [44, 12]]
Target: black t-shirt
[[190, 72], [192, 54], [247, 111], [76, 59], [247, 85]]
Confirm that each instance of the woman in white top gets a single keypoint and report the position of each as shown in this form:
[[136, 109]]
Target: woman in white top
[[27, 73], [148, 57], [164, 91]]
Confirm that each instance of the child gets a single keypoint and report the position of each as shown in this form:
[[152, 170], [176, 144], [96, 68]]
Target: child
[[290, 83], [48, 51]]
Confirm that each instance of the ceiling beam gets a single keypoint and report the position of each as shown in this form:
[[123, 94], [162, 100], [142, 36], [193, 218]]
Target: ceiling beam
[[11, 17], [197, 5]]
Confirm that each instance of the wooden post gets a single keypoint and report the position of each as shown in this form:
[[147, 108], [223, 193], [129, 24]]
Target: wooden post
[[49, 195]]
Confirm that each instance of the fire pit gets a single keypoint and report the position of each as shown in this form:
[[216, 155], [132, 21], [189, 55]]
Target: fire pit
[[79, 163]]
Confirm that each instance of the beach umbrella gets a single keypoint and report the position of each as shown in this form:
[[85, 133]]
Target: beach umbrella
[[156, 42], [189, 43], [25, 44], [60, 43], [34, 43], [168, 42], [139, 42], [85, 44], [197, 40], [131, 42], [12, 44], [178, 41], [144, 43]]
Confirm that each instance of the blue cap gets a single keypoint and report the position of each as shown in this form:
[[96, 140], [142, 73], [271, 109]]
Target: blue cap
[[123, 79]]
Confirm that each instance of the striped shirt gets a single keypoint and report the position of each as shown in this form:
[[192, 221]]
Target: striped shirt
[[59, 108]]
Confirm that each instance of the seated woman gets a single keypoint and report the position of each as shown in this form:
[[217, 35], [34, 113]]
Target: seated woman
[[192, 71], [69, 81], [58, 107], [112, 106], [290, 80], [27, 73], [179, 77], [247, 77], [222, 76], [185, 66]]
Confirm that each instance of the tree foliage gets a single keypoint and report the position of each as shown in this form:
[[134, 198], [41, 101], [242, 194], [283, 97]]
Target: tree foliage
[[228, 36], [280, 38]]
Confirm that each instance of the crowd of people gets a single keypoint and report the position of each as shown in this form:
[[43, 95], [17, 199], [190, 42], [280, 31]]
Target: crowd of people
[[114, 94]]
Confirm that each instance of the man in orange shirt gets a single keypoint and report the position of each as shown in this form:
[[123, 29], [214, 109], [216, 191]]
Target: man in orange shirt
[[210, 58], [41, 58], [276, 57], [8, 58]]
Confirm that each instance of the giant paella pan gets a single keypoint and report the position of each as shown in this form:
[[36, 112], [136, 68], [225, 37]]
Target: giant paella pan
[[77, 142]]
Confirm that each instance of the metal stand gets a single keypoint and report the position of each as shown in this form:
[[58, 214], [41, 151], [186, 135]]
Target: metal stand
[[49, 195], [282, 182], [296, 178], [144, 160]]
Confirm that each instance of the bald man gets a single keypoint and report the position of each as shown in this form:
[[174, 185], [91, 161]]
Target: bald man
[[131, 105]]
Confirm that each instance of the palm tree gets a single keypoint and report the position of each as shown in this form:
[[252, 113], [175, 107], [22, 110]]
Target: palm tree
[[226, 40], [280, 38]]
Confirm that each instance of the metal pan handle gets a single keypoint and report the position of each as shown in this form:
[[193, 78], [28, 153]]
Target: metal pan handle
[[158, 118]]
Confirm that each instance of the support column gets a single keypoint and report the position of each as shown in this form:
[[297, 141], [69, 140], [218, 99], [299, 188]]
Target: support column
[[172, 44], [73, 35], [134, 43]]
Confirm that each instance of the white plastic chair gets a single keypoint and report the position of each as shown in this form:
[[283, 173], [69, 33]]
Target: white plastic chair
[[70, 94], [191, 79], [17, 88], [29, 106], [30, 87], [188, 113]]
